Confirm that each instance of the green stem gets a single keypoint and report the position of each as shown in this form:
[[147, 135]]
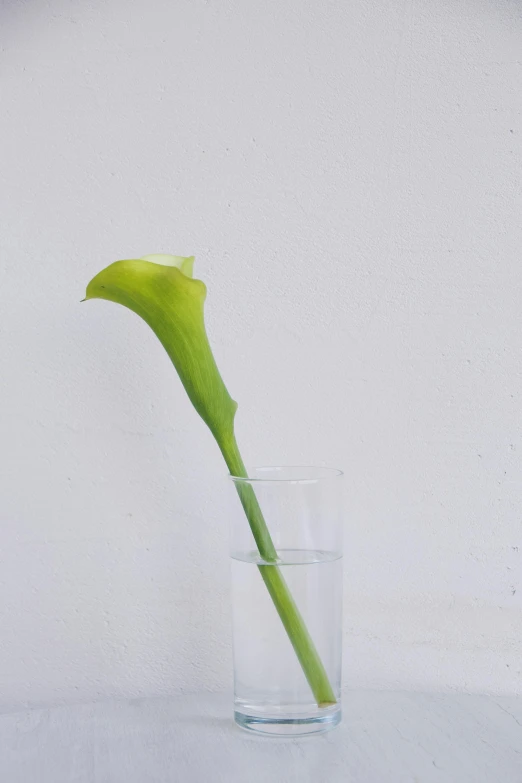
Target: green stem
[[275, 583]]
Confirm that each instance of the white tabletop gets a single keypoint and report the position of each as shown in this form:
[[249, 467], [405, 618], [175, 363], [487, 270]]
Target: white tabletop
[[385, 737]]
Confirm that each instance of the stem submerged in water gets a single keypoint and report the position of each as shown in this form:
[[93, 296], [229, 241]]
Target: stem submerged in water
[[275, 583]]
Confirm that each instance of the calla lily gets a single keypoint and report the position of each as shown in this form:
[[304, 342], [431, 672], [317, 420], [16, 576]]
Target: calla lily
[[162, 291]]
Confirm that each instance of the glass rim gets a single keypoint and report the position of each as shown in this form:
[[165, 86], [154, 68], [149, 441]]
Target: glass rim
[[328, 475]]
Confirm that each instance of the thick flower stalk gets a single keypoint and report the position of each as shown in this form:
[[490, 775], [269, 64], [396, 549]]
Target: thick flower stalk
[[161, 289]]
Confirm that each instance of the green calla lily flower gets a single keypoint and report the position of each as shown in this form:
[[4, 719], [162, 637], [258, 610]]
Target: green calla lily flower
[[160, 289]]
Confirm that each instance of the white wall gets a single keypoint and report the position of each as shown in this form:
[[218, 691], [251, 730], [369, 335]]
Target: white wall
[[348, 177]]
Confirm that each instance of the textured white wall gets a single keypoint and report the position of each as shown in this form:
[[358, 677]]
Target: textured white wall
[[348, 177]]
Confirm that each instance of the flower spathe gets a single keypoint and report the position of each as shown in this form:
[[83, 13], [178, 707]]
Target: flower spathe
[[161, 290]]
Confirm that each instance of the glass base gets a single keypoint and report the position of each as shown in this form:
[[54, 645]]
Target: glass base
[[279, 726]]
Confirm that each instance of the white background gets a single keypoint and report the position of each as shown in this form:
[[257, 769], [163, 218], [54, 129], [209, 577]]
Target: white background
[[348, 176]]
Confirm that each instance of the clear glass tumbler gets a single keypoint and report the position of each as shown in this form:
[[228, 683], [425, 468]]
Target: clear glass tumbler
[[287, 604]]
